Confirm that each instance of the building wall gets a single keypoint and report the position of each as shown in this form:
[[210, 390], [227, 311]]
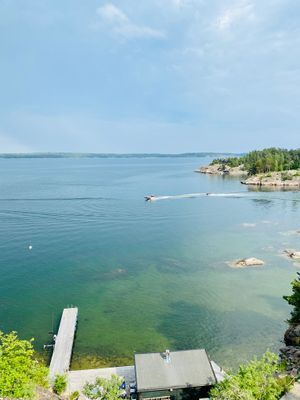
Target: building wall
[[177, 394]]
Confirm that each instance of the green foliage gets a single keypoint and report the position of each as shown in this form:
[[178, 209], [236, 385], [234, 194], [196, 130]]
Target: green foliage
[[20, 371], [256, 380], [265, 161], [230, 161], [60, 384], [104, 389], [74, 395], [286, 382], [294, 300]]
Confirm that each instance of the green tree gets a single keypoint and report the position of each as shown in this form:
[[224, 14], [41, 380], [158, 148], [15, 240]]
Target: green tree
[[74, 396], [294, 300], [20, 372], [267, 160], [60, 384], [256, 380], [104, 389]]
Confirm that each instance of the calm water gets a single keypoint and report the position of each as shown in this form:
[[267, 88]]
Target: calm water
[[145, 276]]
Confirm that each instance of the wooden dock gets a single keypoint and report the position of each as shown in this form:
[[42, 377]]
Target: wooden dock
[[62, 352]]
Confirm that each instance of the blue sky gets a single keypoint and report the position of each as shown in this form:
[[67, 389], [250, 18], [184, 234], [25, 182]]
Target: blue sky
[[149, 75]]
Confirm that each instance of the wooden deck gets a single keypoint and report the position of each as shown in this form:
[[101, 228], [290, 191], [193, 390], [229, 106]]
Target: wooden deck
[[77, 379], [62, 352]]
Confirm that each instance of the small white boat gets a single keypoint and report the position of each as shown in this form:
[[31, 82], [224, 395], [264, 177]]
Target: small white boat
[[150, 198]]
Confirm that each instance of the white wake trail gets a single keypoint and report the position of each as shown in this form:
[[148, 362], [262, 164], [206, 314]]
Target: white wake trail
[[195, 195]]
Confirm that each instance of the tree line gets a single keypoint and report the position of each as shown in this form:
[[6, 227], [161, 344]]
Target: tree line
[[264, 161]]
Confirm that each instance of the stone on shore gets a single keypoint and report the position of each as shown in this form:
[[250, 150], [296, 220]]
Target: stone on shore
[[291, 356], [46, 394]]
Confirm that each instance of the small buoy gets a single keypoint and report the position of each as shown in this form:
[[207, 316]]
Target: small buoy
[[30, 247]]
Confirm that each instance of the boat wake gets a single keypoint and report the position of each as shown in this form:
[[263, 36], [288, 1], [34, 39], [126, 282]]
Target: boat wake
[[193, 195]]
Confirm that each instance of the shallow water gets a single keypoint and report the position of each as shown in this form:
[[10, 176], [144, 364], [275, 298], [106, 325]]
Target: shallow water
[[145, 275]]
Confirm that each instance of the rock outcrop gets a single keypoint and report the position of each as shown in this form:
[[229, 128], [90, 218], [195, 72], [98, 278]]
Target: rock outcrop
[[46, 394], [246, 262], [295, 255], [282, 179], [221, 169], [291, 356], [292, 335], [291, 353]]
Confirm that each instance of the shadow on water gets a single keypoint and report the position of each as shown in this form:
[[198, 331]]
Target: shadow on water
[[190, 326], [276, 303], [263, 203], [174, 265]]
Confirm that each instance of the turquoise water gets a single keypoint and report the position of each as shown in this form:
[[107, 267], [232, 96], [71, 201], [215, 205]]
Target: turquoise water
[[145, 276]]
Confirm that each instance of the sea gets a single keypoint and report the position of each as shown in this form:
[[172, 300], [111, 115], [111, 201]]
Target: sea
[[146, 276]]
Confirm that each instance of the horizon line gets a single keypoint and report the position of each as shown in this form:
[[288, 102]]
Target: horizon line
[[70, 154]]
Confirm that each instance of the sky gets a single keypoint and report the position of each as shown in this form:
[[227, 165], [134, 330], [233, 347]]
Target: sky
[[166, 76]]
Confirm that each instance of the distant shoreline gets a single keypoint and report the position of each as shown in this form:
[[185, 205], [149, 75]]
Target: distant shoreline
[[113, 155]]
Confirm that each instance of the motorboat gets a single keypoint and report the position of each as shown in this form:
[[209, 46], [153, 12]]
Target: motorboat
[[149, 198]]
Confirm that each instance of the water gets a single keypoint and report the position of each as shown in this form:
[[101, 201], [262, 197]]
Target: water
[[145, 275]]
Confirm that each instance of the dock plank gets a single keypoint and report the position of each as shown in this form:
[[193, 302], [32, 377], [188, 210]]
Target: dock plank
[[62, 352]]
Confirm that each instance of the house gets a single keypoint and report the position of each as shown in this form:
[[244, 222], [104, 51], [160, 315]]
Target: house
[[177, 375]]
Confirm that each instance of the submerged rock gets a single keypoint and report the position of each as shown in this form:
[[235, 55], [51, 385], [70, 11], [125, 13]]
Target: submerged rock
[[246, 262]]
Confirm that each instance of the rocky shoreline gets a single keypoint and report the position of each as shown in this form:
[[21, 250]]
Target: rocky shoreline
[[285, 179], [290, 354], [289, 178], [221, 169]]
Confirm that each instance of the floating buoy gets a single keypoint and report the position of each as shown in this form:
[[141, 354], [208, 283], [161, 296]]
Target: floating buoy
[[30, 247]]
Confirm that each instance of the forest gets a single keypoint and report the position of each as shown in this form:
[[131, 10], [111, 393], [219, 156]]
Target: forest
[[264, 161]]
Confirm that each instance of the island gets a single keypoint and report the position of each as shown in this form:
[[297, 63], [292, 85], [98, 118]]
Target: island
[[269, 167]]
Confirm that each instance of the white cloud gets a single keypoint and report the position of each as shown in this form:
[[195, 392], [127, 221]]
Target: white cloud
[[178, 3], [112, 13], [185, 3], [241, 11], [123, 26]]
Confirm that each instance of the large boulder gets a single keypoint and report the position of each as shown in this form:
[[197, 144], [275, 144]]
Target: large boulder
[[246, 262], [292, 335]]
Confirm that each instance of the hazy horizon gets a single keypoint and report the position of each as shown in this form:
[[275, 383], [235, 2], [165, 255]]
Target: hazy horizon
[[70, 153]]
